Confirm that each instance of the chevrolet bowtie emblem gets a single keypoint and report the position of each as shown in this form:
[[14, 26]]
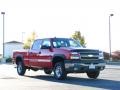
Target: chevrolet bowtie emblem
[[90, 55]]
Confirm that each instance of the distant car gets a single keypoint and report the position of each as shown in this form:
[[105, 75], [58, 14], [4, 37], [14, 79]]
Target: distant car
[[60, 55]]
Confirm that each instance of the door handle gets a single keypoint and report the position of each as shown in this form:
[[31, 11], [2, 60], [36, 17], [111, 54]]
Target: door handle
[[30, 52]]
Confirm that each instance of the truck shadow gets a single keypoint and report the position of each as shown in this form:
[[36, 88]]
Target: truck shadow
[[98, 83]]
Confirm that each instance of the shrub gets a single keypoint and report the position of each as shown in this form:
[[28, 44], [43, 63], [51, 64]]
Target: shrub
[[9, 60]]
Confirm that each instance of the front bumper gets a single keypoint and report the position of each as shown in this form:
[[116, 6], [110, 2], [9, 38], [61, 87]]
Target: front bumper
[[80, 66]]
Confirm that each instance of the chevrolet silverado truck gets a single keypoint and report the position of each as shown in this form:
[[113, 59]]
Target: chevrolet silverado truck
[[60, 55]]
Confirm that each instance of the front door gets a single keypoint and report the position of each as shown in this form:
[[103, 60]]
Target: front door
[[46, 54], [34, 53]]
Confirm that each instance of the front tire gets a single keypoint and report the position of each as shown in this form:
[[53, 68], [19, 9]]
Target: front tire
[[21, 69], [59, 71], [93, 74]]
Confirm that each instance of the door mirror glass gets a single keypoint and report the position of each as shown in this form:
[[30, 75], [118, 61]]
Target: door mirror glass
[[45, 47]]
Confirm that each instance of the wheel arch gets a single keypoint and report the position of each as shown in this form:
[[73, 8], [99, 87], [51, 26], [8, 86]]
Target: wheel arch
[[19, 58], [58, 58]]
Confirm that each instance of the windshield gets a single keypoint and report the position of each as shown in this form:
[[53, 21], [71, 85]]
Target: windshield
[[63, 42]]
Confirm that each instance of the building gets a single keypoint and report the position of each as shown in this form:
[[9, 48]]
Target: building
[[11, 46]]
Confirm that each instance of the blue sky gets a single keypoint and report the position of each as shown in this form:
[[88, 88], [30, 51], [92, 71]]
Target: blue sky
[[60, 18]]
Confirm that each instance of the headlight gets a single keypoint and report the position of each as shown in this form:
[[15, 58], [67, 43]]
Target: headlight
[[101, 56], [75, 55]]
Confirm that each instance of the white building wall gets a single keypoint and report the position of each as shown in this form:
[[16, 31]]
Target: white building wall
[[10, 47]]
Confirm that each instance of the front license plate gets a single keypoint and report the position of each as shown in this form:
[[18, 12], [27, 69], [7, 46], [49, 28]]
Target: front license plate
[[91, 66]]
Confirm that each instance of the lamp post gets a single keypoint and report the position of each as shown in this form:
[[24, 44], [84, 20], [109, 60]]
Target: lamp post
[[110, 55], [3, 13]]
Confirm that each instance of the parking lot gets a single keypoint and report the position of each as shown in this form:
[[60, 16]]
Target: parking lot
[[109, 79]]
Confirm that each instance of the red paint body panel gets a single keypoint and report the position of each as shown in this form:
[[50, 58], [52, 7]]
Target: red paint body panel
[[40, 58]]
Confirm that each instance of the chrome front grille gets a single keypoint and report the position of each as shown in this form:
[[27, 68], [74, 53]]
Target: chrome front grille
[[88, 54], [89, 58]]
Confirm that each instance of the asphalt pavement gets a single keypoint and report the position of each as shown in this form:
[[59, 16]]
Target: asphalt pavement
[[109, 79]]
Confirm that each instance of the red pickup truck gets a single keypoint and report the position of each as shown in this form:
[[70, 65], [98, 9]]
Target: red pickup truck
[[60, 55]]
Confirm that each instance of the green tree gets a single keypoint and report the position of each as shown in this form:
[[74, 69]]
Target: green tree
[[29, 40], [77, 36]]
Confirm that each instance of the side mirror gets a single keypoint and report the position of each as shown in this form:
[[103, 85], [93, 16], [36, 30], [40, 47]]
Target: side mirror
[[45, 47]]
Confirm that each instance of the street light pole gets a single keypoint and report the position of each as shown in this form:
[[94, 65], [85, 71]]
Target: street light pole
[[110, 55], [3, 13]]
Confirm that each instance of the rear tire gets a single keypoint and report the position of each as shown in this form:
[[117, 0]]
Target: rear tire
[[93, 74], [59, 71], [21, 69], [48, 71]]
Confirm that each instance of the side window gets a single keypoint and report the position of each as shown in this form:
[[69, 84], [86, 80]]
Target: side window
[[60, 43], [46, 44], [36, 45]]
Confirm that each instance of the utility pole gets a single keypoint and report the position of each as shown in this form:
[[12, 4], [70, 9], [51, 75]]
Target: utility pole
[[110, 55], [3, 13]]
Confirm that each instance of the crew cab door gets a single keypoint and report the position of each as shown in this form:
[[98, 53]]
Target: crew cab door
[[34, 53], [46, 54]]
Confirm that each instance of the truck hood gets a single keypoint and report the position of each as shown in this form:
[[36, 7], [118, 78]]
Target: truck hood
[[76, 48], [79, 49]]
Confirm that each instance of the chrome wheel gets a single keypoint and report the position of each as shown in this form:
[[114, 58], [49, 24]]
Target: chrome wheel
[[21, 69], [59, 71]]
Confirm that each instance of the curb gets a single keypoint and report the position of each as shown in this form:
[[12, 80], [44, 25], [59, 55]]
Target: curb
[[113, 63], [113, 67]]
